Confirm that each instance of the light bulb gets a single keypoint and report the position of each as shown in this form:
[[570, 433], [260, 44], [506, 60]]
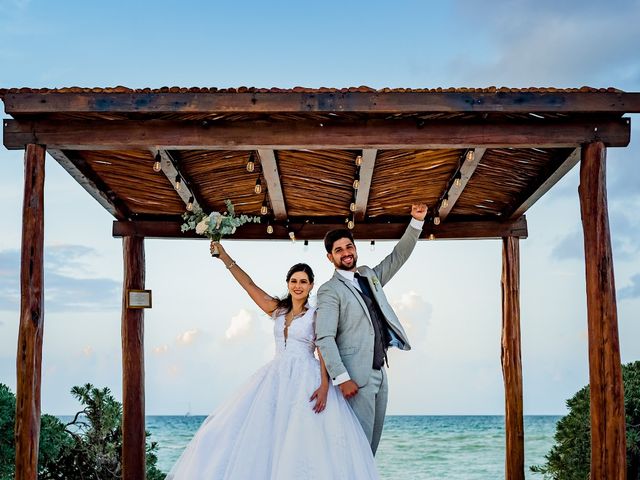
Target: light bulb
[[157, 166], [264, 209], [351, 224], [251, 166], [358, 160], [306, 245], [258, 187], [356, 184], [352, 207], [457, 182], [432, 236], [190, 204], [269, 229], [178, 182], [436, 220], [445, 202], [470, 155], [292, 236], [373, 245]]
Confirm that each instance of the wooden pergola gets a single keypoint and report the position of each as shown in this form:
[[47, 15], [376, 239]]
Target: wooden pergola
[[323, 158]]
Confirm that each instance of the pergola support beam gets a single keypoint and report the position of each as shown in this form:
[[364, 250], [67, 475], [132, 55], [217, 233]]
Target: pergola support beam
[[608, 440], [309, 134], [29, 354], [511, 359], [133, 423], [274, 186], [366, 175], [312, 230], [465, 172]]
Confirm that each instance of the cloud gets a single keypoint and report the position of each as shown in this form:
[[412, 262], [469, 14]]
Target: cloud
[[631, 291], [87, 351], [188, 337], [241, 325], [161, 349], [414, 312], [540, 43], [63, 289]]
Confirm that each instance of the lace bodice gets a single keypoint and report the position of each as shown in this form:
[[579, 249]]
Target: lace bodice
[[300, 336]]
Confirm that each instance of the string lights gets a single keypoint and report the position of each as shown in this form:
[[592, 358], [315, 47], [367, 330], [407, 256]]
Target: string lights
[[458, 181], [264, 209], [432, 236], [251, 164], [157, 165], [190, 204], [373, 245], [269, 228], [358, 160], [436, 220], [178, 183], [470, 155], [258, 186]]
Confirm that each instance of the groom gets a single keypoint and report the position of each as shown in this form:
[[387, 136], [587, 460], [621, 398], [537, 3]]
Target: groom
[[355, 323]]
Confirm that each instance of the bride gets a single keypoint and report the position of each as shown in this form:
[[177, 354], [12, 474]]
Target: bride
[[287, 422]]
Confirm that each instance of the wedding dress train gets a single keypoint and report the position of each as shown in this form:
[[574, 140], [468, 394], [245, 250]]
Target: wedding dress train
[[268, 429]]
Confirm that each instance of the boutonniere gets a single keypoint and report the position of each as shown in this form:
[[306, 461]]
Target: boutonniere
[[375, 281]]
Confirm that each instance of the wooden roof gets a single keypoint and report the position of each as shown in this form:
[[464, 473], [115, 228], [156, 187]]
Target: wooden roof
[[478, 157]]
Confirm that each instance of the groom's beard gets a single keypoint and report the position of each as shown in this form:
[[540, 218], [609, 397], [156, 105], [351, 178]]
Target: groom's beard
[[344, 266]]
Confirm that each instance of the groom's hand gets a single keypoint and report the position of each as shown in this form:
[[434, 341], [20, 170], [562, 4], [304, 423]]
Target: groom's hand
[[349, 389], [419, 211]]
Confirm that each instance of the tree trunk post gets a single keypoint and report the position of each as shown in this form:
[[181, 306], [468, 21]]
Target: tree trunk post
[[133, 419], [29, 356], [511, 359], [608, 442]]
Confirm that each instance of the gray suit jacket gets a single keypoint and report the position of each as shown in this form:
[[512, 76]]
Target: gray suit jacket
[[344, 332]]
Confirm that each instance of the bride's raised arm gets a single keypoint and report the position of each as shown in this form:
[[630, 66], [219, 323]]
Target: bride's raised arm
[[263, 300]]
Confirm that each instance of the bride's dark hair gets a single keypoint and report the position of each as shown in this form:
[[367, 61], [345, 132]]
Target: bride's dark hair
[[285, 304]]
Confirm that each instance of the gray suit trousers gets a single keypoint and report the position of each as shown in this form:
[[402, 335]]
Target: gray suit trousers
[[370, 405]]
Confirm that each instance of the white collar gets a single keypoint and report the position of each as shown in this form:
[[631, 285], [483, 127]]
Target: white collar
[[347, 274]]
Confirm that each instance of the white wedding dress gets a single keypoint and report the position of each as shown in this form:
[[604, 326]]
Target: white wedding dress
[[269, 430]]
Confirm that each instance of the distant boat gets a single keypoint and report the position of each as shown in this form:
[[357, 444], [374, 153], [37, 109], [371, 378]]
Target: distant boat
[[188, 414]]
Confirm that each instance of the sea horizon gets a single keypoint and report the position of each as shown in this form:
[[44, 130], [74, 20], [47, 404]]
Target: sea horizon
[[421, 447]]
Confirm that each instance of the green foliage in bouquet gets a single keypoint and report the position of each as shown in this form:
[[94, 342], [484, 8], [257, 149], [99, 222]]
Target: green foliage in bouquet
[[570, 457], [215, 225]]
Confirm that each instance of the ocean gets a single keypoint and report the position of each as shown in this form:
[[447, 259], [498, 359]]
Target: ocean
[[412, 447]]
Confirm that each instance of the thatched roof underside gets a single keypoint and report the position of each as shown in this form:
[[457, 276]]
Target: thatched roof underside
[[310, 139]]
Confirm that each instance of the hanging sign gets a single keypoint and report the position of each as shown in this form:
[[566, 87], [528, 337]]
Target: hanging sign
[[138, 298]]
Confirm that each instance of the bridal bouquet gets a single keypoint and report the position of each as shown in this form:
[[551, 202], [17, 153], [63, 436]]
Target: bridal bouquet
[[215, 225]]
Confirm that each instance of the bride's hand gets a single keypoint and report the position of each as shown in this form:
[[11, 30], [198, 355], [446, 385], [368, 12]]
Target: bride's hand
[[221, 251], [320, 396]]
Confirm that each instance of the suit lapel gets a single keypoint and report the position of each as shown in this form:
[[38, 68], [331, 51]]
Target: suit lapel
[[355, 292]]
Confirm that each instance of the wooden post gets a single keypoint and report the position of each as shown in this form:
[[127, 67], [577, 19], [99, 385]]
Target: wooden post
[[608, 442], [133, 421], [511, 359], [29, 358]]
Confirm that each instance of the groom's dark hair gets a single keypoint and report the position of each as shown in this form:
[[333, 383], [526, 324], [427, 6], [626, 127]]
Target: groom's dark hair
[[333, 236]]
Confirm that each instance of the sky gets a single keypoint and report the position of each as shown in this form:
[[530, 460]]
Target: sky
[[203, 336]]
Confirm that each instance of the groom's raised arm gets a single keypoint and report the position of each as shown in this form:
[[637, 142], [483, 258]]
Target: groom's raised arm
[[327, 315]]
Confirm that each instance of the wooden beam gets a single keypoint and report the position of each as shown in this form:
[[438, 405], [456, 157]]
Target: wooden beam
[[288, 135], [335, 102], [550, 178], [171, 170], [366, 174], [466, 170], [81, 171], [608, 440], [511, 359], [133, 421], [29, 353], [315, 231], [274, 186]]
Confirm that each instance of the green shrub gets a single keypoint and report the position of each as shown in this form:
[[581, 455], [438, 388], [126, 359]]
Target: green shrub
[[87, 448], [570, 457]]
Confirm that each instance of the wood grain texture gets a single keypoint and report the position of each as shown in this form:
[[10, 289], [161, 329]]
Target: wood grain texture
[[308, 134], [29, 352], [316, 229], [133, 400], [608, 441], [511, 359]]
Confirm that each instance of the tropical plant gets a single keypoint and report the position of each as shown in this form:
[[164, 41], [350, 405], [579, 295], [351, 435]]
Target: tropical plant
[[570, 457]]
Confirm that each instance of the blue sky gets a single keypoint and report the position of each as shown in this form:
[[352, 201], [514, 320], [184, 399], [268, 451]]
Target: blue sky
[[204, 337]]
